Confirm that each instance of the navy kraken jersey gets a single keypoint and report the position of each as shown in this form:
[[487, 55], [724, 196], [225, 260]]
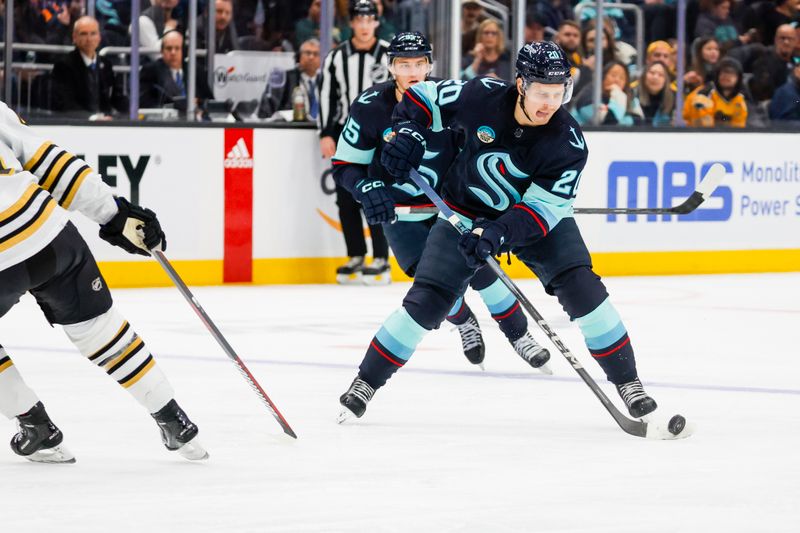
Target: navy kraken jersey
[[358, 151], [502, 167]]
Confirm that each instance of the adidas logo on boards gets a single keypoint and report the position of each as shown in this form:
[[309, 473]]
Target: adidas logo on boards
[[239, 156]]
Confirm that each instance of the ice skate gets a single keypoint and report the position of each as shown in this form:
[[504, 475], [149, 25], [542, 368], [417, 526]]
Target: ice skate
[[354, 401], [351, 272], [38, 439], [472, 340], [637, 401], [178, 433], [533, 353], [377, 273]]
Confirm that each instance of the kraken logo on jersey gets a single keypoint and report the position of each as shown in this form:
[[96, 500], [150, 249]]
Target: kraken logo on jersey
[[493, 167], [428, 173]]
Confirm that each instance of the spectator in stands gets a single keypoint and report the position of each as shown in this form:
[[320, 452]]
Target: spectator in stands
[[472, 14], [618, 104], [569, 39], [278, 93], [615, 17], [83, 82], [772, 69], [612, 49], [715, 21], [656, 94], [156, 21], [551, 13], [534, 26], [660, 20], [225, 35], [489, 57], [720, 102], [308, 27], [784, 12], [62, 20], [163, 82], [660, 51], [785, 104], [705, 58]]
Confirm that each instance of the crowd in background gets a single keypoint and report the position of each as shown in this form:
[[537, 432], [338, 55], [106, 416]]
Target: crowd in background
[[742, 65]]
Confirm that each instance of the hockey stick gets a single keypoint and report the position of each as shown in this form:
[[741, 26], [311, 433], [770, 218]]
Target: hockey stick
[[209, 324], [709, 184], [676, 428]]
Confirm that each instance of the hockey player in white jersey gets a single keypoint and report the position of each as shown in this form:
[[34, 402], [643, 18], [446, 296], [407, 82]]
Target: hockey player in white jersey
[[41, 252]]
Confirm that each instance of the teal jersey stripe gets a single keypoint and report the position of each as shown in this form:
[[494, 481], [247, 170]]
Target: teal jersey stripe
[[427, 92], [414, 217], [456, 306], [607, 339], [346, 152], [401, 334], [495, 294], [551, 207]]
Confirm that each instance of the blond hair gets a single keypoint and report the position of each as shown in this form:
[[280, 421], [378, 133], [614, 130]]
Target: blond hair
[[501, 43]]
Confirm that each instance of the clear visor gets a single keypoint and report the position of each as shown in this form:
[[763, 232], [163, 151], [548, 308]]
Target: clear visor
[[554, 95], [410, 68]]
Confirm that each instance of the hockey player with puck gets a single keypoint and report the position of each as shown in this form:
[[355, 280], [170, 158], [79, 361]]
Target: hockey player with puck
[[357, 168], [41, 252], [348, 70], [514, 183]]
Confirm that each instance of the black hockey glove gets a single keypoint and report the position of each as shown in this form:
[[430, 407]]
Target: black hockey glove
[[404, 151], [377, 204], [486, 239], [135, 229]]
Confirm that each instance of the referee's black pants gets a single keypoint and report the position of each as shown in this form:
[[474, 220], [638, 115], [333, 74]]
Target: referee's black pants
[[353, 228]]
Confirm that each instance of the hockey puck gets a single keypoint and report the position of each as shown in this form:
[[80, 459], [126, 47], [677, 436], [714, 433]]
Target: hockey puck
[[676, 424]]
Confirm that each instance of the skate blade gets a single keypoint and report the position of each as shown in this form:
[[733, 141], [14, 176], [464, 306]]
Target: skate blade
[[380, 279], [344, 415], [545, 369], [54, 455], [483, 368], [193, 451], [349, 279]]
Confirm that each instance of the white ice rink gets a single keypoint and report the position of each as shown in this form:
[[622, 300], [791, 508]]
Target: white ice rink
[[443, 447]]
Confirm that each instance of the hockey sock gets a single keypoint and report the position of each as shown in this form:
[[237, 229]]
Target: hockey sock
[[505, 310], [109, 342], [459, 313], [585, 299], [16, 397], [391, 348], [608, 342]]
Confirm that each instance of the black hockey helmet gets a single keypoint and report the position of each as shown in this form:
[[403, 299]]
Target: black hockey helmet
[[410, 44], [545, 62], [366, 8]]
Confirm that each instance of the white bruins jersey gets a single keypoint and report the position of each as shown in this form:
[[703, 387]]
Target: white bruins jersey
[[38, 182]]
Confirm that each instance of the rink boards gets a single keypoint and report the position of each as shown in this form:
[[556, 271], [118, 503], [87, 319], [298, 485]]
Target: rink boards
[[255, 205]]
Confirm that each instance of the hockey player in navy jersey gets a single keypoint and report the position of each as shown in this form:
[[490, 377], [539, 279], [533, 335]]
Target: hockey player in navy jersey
[[41, 252], [513, 183], [358, 169]]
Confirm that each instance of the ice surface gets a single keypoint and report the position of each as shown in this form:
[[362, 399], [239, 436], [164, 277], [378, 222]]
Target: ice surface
[[443, 447]]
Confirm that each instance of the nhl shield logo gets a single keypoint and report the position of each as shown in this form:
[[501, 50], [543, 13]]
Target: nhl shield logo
[[486, 134], [97, 284], [378, 73]]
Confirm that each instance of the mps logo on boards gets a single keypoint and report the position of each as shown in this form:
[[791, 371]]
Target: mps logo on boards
[[665, 185]]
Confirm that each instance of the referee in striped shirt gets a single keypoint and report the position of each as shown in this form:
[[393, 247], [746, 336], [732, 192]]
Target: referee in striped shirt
[[350, 69]]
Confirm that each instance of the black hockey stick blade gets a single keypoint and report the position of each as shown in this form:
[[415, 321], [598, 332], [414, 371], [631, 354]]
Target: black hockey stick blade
[[212, 328], [632, 427], [709, 184]]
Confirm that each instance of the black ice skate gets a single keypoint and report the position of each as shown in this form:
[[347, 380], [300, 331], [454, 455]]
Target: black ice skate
[[178, 432], [377, 273], [354, 401], [350, 273], [38, 439], [472, 340], [637, 401], [533, 353]]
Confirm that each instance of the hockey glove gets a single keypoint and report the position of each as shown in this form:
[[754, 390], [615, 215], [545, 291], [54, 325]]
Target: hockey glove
[[484, 241], [377, 204], [135, 229], [404, 151]]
